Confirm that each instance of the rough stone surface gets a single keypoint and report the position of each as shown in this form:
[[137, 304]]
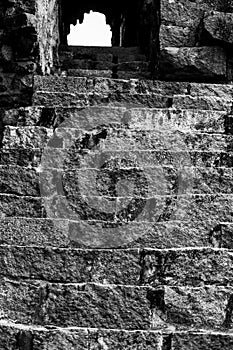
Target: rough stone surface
[[204, 63], [116, 188], [219, 26]]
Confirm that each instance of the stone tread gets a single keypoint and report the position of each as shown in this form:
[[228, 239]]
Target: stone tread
[[78, 338]]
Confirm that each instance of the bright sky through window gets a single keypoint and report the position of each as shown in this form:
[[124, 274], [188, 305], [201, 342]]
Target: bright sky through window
[[92, 32]]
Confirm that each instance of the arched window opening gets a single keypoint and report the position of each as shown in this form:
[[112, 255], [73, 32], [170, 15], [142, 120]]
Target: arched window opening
[[92, 32]]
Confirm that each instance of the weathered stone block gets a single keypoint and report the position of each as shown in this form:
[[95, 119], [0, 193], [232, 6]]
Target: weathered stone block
[[79, 305], [186, 307], [34, 232], [71, 265], [31, 137], [124, 340], [201, 340], [20, 181], [188, 267], [11, 205], [201, 63], [219, 26], [176, 36]]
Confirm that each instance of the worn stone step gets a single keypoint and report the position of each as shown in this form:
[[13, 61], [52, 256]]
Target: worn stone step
[[107, 73], [152, 100], [135, 118], [153, 267], [36, 182], [12, 334], [63, 99], [84, 85], [92, 338], [127, 211], [91, 213], [92, 50], [32, 157], [133, 66], [41, 337], [134, 308], [76, 305], [87, 64], [44, 232], [124, 74], [90, 73], [67, 58], [115, 139]]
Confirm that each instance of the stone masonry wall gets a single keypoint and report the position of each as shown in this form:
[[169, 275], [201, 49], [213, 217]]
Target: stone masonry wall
[[196, 39], [28, 35]]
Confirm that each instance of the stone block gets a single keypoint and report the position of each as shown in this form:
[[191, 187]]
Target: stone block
[[219, 26], [76, 305], [176, 36], [202, 340], [193, 307], [197, 64], [193, 267], [71, 265]]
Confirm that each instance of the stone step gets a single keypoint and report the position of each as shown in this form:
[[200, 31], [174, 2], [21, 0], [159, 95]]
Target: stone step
[[43, 232], [103, 85], [67, 57], [90, 214], [159, 180], [93, 50], [87, 64], [134, 308], [74, 91], [76, 338], [76, 305], [90, 73], [134, 118], [152, 100], [41, 337], [132, 66], [147, 267], [117, 139], [32, 157]]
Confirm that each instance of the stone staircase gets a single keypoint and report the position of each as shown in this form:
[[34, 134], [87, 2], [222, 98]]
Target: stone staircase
[[108, 62], [159, 274]]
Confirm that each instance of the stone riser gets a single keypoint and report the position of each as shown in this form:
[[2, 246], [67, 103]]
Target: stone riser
[[16, 335], [148, 267], [134, 308], [135, 118], [116, 140], [102, 85], [129, 100], [172, 234], [160, 180]]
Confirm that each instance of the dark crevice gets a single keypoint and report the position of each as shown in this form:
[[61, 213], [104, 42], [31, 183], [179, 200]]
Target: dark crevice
[[48, 117], [215, 236], [2, 126], [167, 342], [229, 308], [43, 297], [228, 124], [24, 340], [156, 299]]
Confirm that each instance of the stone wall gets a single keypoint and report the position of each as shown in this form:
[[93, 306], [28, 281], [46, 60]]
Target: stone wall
[[28, 35], [48, 34], [196, 39]]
